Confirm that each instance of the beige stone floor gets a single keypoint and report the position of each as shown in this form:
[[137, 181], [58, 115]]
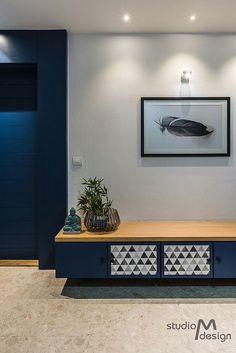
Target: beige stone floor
[[35, 317]]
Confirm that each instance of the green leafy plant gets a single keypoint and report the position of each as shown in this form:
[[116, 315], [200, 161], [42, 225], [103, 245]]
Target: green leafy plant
[[94, 198]]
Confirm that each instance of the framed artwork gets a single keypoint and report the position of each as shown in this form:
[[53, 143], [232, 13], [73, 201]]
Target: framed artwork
[[190, 126]]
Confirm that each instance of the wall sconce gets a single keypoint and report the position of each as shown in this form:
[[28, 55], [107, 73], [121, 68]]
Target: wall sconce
[[185, 75]]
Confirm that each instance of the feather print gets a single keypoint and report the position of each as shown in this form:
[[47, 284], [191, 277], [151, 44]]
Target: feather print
[[183, 127]]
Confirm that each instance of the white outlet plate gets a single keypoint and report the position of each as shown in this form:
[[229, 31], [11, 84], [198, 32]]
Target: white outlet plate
[[77, 161]]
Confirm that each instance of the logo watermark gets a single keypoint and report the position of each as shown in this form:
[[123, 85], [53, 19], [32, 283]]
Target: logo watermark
[[203, 330]]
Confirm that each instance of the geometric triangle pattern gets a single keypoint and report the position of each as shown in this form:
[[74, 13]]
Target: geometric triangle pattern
[[133, 260], [186, 260]]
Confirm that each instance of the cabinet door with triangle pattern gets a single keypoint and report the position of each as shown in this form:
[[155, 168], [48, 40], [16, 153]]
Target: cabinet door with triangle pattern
[[134, 260], [187, 260]]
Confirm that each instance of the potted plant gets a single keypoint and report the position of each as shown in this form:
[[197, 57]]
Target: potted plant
[[95, 204]]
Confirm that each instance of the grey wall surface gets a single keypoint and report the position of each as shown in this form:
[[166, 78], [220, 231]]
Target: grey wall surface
[[107, 76]]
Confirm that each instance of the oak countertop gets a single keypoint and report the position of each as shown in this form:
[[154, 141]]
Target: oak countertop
[[159, 231]]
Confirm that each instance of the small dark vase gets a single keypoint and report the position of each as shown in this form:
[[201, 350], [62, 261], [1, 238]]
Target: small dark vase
[[106, 223]]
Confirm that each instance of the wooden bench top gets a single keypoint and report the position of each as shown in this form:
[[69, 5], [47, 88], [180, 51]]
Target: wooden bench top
[[159, 231]]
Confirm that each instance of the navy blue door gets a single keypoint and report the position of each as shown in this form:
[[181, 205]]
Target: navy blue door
[[81, 260], [225, 259], [18, 126]]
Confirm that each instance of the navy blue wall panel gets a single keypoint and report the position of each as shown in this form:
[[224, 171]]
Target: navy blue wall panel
[[20, 200], [18, 98], [13, 173], [18, 87], [8, 159], [33, 183], [18, 46], [10, 186], [18, 118], [22, 214], [23, 227], [9, 145], [20, 132], [52, 143], [15, 251]]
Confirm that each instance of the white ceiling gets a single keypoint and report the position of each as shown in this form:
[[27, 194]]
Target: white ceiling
[[106, 15]]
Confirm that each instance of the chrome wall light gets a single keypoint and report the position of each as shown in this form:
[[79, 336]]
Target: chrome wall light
[[185, 75]]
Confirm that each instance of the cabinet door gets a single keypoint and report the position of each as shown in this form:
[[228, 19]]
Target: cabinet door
[[134, 260], [187, 260], [81, 260], [225, 259]]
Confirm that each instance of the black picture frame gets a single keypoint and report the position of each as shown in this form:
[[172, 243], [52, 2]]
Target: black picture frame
[[186, 102]]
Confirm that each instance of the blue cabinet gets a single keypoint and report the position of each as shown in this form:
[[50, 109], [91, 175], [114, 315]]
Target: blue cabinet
[[81, 260], [225, 260], [146, 260]]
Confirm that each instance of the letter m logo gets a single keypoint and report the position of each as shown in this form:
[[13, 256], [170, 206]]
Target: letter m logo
[[205, 326]]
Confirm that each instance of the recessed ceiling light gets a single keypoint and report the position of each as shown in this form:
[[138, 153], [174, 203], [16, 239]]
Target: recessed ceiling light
[[126, 17], [192, 17]]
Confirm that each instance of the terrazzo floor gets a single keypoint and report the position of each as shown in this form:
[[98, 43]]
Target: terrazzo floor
[[39, 313]]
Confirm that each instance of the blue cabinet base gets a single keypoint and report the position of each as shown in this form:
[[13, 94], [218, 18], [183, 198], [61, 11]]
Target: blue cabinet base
[[167, 260]]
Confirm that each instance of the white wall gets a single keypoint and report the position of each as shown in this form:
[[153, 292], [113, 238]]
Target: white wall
[[107, 76]]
